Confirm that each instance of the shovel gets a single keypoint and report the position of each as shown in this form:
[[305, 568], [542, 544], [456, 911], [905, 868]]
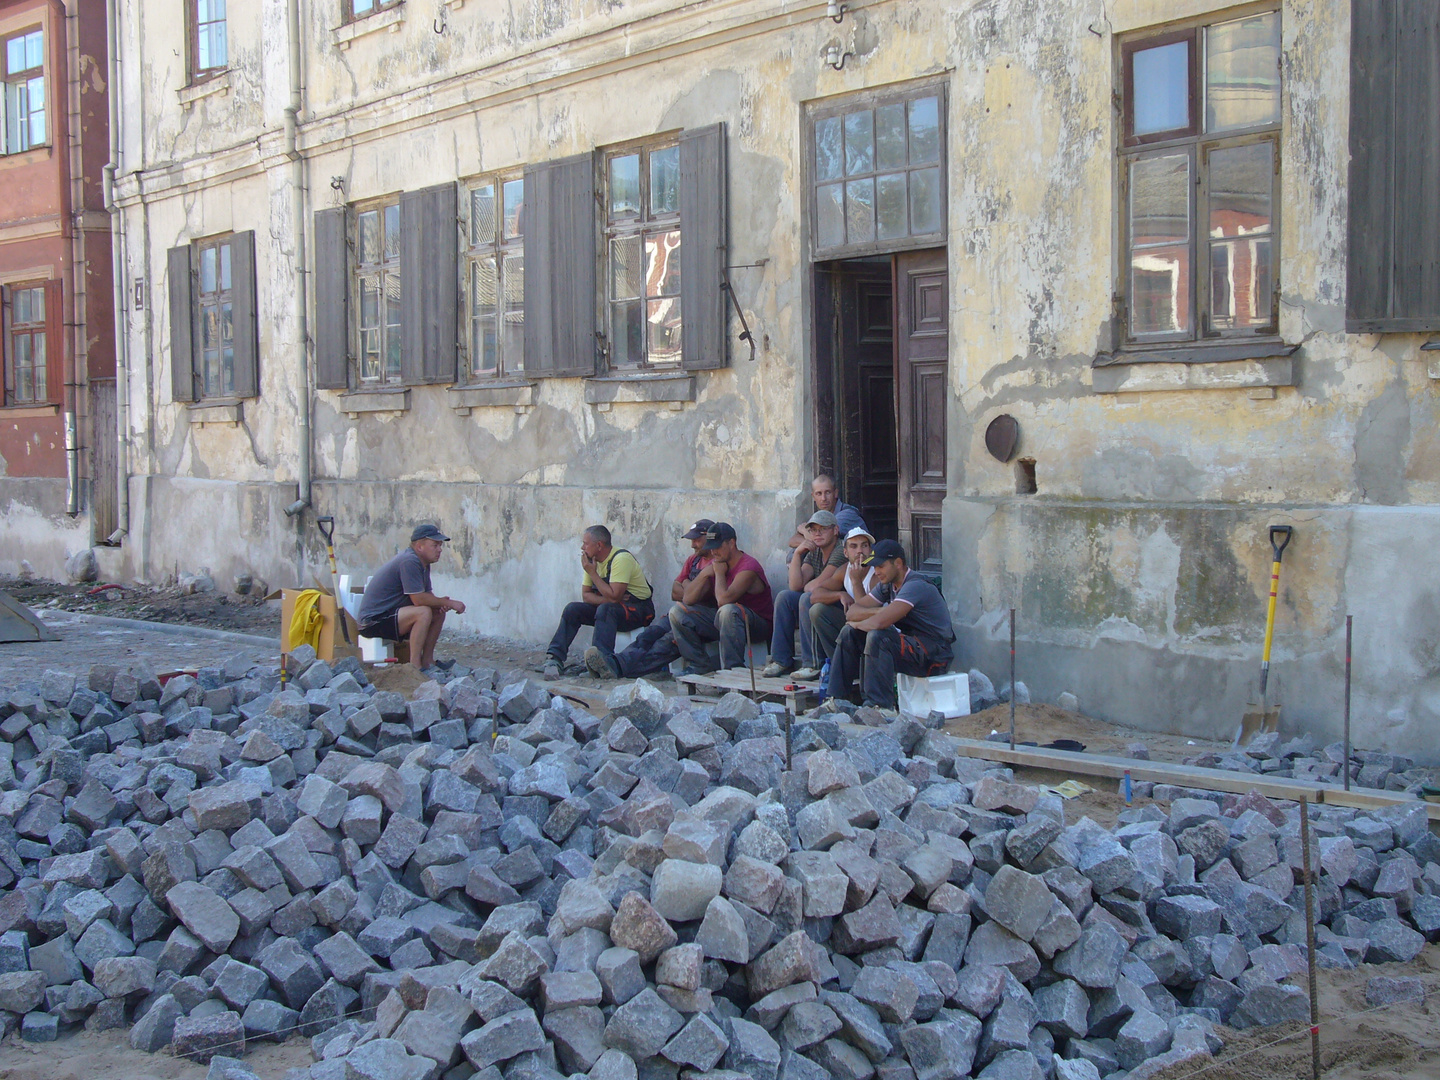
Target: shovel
[[1260, 717], [327, 530]]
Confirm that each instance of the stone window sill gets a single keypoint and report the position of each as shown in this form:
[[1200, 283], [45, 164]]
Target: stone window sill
[[389, 399], [502, 393], [215, 84], [389, 19], [215, 412], [1258, 375], [673, 389], [29, 412]]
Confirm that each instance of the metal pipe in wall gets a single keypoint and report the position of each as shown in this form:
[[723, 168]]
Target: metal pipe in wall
[[117, 276], [302, 326]]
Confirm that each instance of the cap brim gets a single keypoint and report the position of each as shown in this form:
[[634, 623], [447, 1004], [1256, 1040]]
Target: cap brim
[[693, 534]]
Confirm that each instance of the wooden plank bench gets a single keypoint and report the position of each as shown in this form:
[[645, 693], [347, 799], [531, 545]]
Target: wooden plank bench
[[796, 699]]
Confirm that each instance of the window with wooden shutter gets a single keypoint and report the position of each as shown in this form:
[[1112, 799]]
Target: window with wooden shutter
[[560, 267], [332, 300], [182, 349], [703, 219], [429, 299], [246, 322], [1393, 262], [33, 346]]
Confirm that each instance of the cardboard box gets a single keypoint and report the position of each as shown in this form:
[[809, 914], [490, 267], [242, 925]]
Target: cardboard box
[[332, 643]]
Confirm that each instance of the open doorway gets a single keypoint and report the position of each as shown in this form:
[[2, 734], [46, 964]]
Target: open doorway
[[882, 357]]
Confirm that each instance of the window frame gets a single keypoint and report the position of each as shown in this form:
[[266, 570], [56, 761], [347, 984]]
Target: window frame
[[348, 14], [11, 330], [644, 224], [1200, 144], [389, 267], [872, 100], [26, 78], [217, 298], [503, 249], [192, 35]]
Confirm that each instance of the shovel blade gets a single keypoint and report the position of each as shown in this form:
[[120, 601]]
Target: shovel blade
[[1257, 720]]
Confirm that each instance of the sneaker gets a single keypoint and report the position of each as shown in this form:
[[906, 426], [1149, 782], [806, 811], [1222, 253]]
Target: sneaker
[[691, 670], [551, 670], [773, 670], [804, 673], [600, 665]]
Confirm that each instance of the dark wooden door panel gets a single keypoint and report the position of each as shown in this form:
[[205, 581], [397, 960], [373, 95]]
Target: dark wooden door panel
[[922, 359], [866, 372]]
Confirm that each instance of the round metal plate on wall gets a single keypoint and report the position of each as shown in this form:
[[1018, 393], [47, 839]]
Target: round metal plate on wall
[[1002, 436]]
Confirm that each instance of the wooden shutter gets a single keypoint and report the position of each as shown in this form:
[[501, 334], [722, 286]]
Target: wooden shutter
[[8, 388], [182, 334], [703, 336], [560, 267], [244, 316], [55, 342], [332, 300], [1393, 262], [429, 291]]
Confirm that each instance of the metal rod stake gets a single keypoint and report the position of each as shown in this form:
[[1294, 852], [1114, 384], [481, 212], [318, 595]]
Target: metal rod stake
[[1012, 678], [1349, 628], [1310, 938]]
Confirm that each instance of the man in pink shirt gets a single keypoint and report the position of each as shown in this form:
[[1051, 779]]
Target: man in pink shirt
[[718, 604]]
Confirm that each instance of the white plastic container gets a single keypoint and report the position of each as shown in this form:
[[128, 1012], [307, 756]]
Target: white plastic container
[[945, 694]]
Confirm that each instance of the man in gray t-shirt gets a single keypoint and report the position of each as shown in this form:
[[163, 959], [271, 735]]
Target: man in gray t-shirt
[[902, 625], [400, 603]]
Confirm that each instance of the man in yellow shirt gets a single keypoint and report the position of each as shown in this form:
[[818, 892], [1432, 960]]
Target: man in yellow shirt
[[614, 596]]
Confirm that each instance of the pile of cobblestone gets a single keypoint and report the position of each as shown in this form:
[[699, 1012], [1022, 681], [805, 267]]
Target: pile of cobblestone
[[490, 881], [1302, 758]]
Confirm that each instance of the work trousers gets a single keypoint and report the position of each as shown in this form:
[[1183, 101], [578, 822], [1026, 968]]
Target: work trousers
[[826, 622], [651, 651], [886, 652], [694, 627], [608, 619]]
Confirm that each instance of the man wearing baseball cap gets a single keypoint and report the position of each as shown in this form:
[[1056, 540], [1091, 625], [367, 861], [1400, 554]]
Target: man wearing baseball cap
[[819, 551], [400, 603], [902, 625], [727, 602], [654, 647]]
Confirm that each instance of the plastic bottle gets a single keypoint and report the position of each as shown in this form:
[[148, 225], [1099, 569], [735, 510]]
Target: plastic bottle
[[825, 680]]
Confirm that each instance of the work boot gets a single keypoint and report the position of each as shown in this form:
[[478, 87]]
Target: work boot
[[805, 673], [601, 665], [551, 670], [773, 670]]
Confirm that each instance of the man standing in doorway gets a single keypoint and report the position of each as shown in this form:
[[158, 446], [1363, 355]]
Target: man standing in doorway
[[614, 596], [827, 497], [400, 603], [902, 625], [729, 601], [819, 551]]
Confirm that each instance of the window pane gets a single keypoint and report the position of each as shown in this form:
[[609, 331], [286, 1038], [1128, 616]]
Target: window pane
[[209, 327], [625, 185], [1242, 73], [1241, 286], [218, 51], [890, 137], [827, 149], [37, 376], [35, 91], [369, 303], [482, 214], [830, 215], [514, 191], [16, 134], [203, 60], [890, 206], [625, 271], [207, 269], [1240, 179], [925, 131], [227, 324], [662, 264], [925, 217], [1160, 200], [202, 11], [859, 211], [392, 232], [625, 331], [1161, 90], [514, 313], [484, 345], [363, 7], [859, 143], [370, 237], [22, 305], [665, 180], [1160, 245], [15, 56], [392, 326], [662, 317], [485, 285], [225, 266]]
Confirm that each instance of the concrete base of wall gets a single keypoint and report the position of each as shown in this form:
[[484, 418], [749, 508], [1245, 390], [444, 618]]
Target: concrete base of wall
[[36, 528]]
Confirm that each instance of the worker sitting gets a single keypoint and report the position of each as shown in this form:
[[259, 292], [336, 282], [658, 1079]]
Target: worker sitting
[[400, 602]]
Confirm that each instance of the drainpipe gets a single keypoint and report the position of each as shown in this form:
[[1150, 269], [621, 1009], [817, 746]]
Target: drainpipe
[[117, 276], [70, 349], [297, 164]]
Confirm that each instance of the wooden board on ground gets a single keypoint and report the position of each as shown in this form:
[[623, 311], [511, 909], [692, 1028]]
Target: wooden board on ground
[[1193, 776], [739, 679]]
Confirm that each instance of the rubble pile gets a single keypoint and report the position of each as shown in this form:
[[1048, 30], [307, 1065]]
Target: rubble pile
[[490, 881], [1302, 758]]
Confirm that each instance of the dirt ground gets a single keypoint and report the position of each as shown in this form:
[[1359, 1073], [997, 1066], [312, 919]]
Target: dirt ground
[[85, 1055], [218, 610]]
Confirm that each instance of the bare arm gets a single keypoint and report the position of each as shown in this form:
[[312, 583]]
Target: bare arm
[[729, 590], [882, 618], [799, 573], [862, 609], [605, 591], [701, 588], [442, 603], [828, 586]]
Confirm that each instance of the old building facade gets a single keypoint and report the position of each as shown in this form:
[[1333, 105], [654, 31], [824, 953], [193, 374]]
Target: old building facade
[[521, 267]]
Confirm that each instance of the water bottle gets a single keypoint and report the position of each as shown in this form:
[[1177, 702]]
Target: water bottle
[[824, 680]]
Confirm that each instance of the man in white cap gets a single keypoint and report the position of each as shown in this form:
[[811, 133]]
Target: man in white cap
[[400, 603], [838, 588]]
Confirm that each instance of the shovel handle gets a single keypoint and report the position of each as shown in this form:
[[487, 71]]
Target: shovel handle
[[326, 525], [1284, 531]]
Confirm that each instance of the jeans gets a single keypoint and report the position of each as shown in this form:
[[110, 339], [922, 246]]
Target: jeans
[[886, 652], [792, 609], [651, 651], [608, 619], [693, 627], [826, 622]]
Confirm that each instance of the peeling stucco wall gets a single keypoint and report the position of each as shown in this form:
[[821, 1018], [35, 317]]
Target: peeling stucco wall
[[1140, 567]]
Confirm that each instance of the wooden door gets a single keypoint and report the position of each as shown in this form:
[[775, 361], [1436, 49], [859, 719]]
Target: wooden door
[[104, 453], [922, 353], [869, 471]]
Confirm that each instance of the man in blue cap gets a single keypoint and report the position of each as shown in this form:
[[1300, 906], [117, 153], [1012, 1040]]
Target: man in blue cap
[[901, 625], [400, 603]]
